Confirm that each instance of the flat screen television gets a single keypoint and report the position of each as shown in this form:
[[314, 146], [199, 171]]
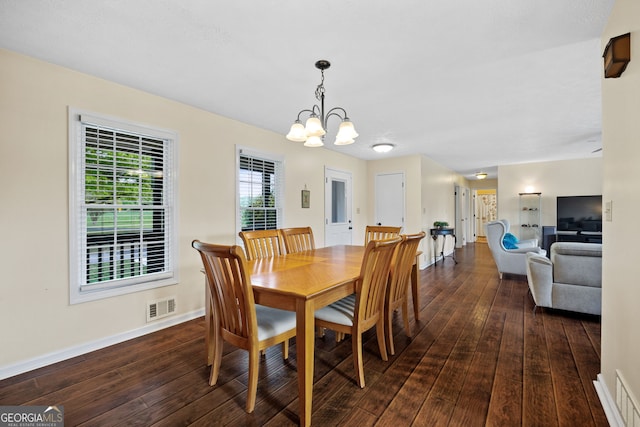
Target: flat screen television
[[579, 214]]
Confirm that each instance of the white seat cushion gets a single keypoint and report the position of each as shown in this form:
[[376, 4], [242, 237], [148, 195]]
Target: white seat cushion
[[340, 312], [273, 321]]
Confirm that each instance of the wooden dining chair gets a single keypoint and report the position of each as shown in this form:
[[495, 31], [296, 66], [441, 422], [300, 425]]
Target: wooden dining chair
[[239, 321], [399, 281], [262, 243], [298, 239], [363, 310], [380, 232]]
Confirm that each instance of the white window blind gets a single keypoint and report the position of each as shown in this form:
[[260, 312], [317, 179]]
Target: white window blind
[[122, 222], [259, 191]]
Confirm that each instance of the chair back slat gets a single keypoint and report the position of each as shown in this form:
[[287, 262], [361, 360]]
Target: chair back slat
[[298, 239], [374, 276], [262, 243], [230, 287], [402, 265], [380, 232]]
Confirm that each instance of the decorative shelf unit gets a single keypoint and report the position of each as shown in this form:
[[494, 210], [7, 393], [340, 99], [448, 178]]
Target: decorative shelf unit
[[530, 216]]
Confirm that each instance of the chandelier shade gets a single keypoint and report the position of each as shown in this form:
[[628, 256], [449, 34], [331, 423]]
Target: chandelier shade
[[315, 127], [297, 132], [313, 141]]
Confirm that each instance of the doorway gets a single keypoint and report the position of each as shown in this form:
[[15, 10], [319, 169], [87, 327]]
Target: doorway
[[486, 210], [463, 229]]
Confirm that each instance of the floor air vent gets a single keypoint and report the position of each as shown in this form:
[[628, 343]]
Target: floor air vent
[[626, 403], [161, 308]]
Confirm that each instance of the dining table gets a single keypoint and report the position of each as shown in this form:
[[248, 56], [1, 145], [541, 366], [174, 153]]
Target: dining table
[[303, 282]]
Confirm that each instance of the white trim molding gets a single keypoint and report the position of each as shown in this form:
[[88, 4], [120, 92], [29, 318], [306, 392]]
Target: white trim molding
[[608, 403], [68, 353]]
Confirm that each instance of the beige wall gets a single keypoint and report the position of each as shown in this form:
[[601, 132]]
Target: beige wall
[[437, 202], [410, 167], [429, 195], [37, 320], [621, 148], [478, 184], [581, 177]]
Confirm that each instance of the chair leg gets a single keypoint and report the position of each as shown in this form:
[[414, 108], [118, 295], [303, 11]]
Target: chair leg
[[388, 320], [252, 387], [381, 340], [217, 359], [356, 348], [405, 317], [285, 349]]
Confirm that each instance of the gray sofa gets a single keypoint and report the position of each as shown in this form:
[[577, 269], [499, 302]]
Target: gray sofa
[[571, 280]]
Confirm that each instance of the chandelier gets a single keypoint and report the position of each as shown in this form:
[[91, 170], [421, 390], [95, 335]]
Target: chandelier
[[314, 129]]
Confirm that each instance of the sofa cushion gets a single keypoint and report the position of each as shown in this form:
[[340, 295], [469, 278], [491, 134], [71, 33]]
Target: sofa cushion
[[577, 263], [578, 249]]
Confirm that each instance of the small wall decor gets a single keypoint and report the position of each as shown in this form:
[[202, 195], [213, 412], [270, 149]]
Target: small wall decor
[[306, 198], [617, 55]]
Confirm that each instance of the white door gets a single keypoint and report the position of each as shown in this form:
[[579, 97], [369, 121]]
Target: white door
[[390, 199], [337, 204], [462, 216]]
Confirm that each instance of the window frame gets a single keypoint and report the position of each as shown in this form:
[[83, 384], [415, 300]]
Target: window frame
[[79, 290], [280, 183]]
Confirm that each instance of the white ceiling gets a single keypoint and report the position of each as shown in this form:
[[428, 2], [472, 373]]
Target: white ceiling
[[471, 84]]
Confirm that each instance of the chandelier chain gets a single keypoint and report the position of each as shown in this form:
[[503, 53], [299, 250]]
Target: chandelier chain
[[320, 88]]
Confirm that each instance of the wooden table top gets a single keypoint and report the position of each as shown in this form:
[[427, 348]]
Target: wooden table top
[[306, 274]]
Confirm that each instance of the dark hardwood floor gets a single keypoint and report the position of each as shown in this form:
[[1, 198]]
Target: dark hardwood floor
[[479, 356]]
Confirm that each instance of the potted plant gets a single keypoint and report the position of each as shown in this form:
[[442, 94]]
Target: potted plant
[[440, 224]]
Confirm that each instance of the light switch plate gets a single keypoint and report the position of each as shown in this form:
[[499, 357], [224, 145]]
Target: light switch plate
[[608, 210]]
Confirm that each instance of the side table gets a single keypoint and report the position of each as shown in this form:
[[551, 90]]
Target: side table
[[444, 232]]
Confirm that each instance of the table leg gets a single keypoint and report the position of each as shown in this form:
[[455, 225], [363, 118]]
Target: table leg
[[414, 289], [305, 344], [435, 250]]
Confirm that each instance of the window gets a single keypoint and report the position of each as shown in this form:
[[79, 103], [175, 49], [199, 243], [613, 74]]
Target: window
[[122, 207], [259, 191]]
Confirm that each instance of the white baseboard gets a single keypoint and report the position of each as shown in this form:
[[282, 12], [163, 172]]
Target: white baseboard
[[608, 403], [68, 353]]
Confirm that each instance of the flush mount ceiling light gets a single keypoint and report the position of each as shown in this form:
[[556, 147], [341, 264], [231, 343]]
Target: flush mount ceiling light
[[481, 175], [383, 148], [312, 133]]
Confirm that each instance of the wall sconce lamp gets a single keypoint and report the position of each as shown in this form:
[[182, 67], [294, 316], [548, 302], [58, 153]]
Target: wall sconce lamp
[[617, 55]]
